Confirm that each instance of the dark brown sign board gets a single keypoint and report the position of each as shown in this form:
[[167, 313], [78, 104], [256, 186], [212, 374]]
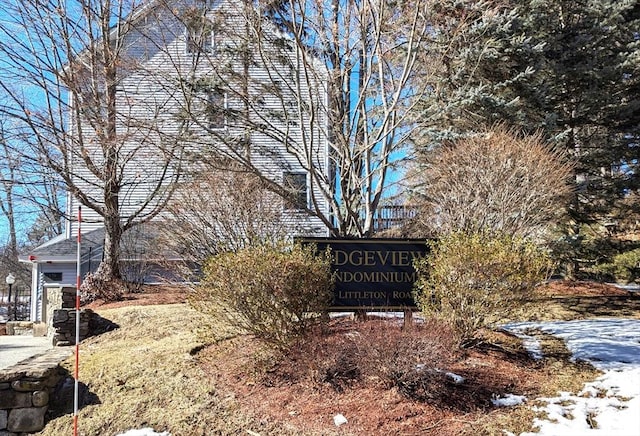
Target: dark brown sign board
[[372, 274]]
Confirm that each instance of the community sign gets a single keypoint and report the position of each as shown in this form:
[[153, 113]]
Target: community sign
[[372, 274]]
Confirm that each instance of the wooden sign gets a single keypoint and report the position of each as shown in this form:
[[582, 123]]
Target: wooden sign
[[372, 274]]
